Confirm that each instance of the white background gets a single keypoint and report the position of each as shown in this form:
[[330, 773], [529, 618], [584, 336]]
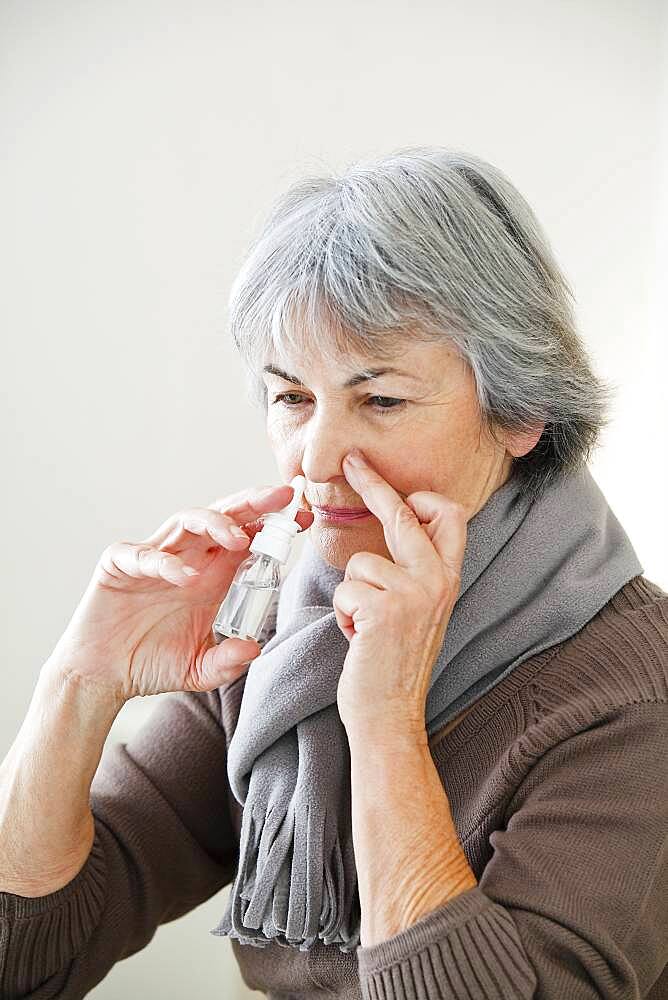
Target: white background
[[142, 143]]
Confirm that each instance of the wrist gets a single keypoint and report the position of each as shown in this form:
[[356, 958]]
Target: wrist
[[46, 824], [389, 732], [60, 677]]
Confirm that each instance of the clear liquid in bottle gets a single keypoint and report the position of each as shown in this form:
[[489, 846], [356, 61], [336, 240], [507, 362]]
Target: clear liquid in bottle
[[243, 612]]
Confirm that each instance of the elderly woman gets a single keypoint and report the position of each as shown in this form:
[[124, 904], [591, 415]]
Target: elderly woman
[[446, 774]]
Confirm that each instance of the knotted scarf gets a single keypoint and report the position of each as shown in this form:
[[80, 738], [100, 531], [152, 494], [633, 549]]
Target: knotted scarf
[[534, 573]]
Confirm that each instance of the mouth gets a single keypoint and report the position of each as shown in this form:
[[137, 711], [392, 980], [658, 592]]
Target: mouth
[[340, 510], [341, 514]]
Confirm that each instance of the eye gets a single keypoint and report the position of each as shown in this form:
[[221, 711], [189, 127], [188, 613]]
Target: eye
[[397, 404]]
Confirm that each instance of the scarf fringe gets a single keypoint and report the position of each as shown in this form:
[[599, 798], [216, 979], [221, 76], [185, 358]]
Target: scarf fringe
[[274, 898]]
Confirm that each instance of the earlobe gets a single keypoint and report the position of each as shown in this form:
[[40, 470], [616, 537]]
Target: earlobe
[[521, 444]]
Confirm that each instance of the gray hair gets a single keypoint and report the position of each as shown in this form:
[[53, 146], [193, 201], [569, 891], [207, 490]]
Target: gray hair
[[438, 244]]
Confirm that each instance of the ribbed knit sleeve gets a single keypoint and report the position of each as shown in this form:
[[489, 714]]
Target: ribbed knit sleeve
[[573, 904], [163, 844]]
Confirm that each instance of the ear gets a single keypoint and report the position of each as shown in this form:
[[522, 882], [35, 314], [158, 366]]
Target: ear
[[519, 444]]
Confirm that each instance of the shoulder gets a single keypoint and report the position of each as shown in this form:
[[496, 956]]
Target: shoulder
[[593, 705], [618, 659]]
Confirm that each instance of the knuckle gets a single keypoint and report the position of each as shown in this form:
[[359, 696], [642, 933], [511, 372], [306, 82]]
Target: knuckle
[[212, 519], [115, 553], [405, 516], [353, 563], [200, 519], [360, 563], [397, 602], [143, 554], [226, 521], [112, 550]]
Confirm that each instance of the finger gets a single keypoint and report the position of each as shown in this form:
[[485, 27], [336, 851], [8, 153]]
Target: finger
[[375, 570], [246, 505], [200, 520], [405, 539], [247, 508], [207, 523], [128, 559], [356, 607], [240, 505], [445, 522], [224, 662], [246, 494]]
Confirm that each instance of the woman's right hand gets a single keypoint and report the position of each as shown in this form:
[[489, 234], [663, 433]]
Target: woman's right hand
[[143, 626]]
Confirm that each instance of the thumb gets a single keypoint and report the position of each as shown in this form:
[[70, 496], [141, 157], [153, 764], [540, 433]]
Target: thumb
[[223, 662]]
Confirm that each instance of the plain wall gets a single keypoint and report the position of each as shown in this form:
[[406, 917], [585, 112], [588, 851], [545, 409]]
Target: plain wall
[[143, 142]]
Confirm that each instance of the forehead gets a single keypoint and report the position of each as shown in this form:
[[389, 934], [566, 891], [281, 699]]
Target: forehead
[[410, 359]]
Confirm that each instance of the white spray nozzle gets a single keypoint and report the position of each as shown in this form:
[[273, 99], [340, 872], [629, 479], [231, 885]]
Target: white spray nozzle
[[280, 528], [298, 484]]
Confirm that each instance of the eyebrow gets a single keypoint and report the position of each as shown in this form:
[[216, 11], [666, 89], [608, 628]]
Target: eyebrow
[[364, 376]]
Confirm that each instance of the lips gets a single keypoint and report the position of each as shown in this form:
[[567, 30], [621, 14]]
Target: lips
[[352, 515], [342, 511]]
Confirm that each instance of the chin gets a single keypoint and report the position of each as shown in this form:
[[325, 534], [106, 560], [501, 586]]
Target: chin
[[337, 545]]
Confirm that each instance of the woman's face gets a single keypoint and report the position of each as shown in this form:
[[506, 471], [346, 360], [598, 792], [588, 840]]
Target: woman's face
[[432, 440]]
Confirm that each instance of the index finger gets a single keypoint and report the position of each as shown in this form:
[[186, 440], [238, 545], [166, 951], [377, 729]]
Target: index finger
[[405, 538], [245, 506]]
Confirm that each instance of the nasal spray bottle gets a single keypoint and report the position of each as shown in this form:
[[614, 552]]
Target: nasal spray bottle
[[255, 585]]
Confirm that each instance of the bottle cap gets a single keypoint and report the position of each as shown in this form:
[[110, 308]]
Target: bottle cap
[[279, 529]]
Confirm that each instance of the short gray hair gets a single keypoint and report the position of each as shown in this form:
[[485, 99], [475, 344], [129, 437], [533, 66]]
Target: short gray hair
[[436, 243]]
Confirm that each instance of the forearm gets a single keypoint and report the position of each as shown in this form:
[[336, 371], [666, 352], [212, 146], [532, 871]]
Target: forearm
[[46, 825], [408, 855]]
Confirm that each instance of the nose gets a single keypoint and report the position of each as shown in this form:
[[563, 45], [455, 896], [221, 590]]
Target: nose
[[325, 445]]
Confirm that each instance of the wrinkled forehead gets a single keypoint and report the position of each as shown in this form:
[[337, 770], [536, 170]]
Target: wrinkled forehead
[[312, 333], [343, 351], [345, 359]]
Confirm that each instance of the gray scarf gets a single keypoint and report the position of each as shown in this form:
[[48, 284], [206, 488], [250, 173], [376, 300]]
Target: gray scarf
[[534, 572]]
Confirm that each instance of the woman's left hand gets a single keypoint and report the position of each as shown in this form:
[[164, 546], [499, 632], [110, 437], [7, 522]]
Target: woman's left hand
[[395, 614]]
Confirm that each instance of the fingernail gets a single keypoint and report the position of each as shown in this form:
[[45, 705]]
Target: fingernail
[[354, 457], [238, 532]]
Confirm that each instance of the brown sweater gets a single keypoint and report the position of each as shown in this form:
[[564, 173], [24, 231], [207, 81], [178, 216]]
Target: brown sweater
[[558, 784]]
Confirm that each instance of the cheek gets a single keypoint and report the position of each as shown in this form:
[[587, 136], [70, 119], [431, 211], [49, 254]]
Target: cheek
[[277, 434], [280, 425], [434, 462], [285, 450]]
